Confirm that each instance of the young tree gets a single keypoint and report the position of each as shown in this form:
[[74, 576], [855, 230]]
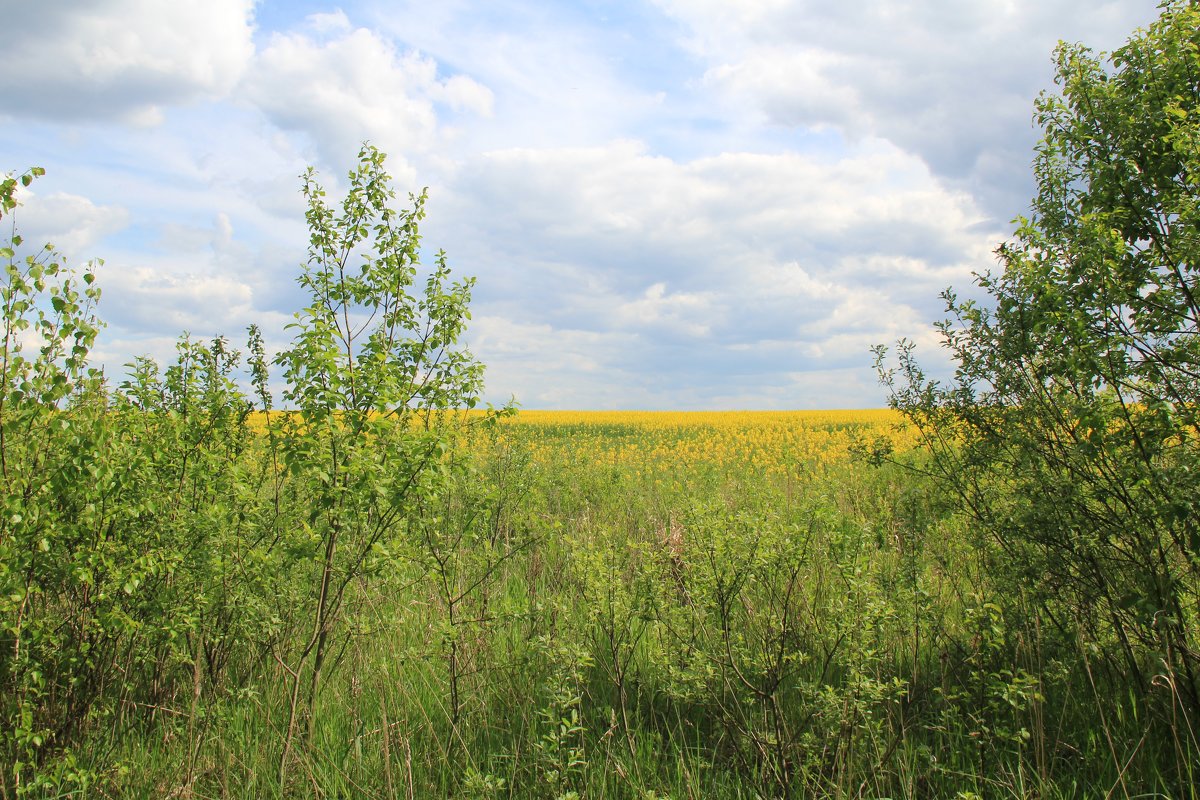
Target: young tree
[[372, 373], [1070, 429], [50, 414]]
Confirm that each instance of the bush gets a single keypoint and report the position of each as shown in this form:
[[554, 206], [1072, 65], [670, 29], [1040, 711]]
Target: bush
[[1069, 432]]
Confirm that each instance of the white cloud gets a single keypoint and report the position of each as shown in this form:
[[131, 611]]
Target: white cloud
[[104, 59], [335, 22], [667, 276], [155, 299], [72, 223], [693, 203], [618, 208], [559, 74], [792, 85], [547, 367], [685, 313], [343, 85], [179, 238], [463, 94], [198, 278], [952, 82]]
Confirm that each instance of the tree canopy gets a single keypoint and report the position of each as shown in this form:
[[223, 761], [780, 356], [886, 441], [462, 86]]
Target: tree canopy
[[1069, 430]]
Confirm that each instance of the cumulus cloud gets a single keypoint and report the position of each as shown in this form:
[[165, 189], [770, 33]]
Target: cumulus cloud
[[72, 223], [120, 59], [548, 367], [343, 85], [157, 300], [688, 203], [560, 74], [673, 276], [952, 82], [198, 278], [686, 314], [622, 208]]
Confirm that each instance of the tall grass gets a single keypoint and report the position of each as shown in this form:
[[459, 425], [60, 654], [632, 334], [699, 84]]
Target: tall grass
[[639, 628]]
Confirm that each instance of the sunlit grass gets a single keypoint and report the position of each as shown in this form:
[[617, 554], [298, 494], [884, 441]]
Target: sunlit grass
[[627, 587]]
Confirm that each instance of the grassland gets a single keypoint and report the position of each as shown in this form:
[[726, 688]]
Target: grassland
[[638, 605]]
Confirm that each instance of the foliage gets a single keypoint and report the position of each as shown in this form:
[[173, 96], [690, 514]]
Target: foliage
[[368, 357], [1069, 432], [49, 427], [160, 546]]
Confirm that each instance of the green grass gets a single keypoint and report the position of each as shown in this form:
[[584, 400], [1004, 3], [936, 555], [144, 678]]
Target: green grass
[[719, 635]]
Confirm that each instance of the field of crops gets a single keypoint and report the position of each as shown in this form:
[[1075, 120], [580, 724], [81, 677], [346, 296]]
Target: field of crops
[[773, 443]]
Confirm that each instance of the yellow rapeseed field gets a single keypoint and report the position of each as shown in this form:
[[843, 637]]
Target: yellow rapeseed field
[[771, 442]]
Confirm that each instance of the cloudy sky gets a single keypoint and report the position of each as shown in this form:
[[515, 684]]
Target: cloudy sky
[[667, 204]]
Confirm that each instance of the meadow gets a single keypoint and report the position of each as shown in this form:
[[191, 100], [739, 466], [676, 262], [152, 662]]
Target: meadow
[[613, 605]]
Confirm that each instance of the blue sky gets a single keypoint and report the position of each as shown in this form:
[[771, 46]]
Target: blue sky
[[667, 204]]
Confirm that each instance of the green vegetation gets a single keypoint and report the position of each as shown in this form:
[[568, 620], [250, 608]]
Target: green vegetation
[[1069, 435], [378, 593]]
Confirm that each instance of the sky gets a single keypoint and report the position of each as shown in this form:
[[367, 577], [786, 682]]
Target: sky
[[666, 204]]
